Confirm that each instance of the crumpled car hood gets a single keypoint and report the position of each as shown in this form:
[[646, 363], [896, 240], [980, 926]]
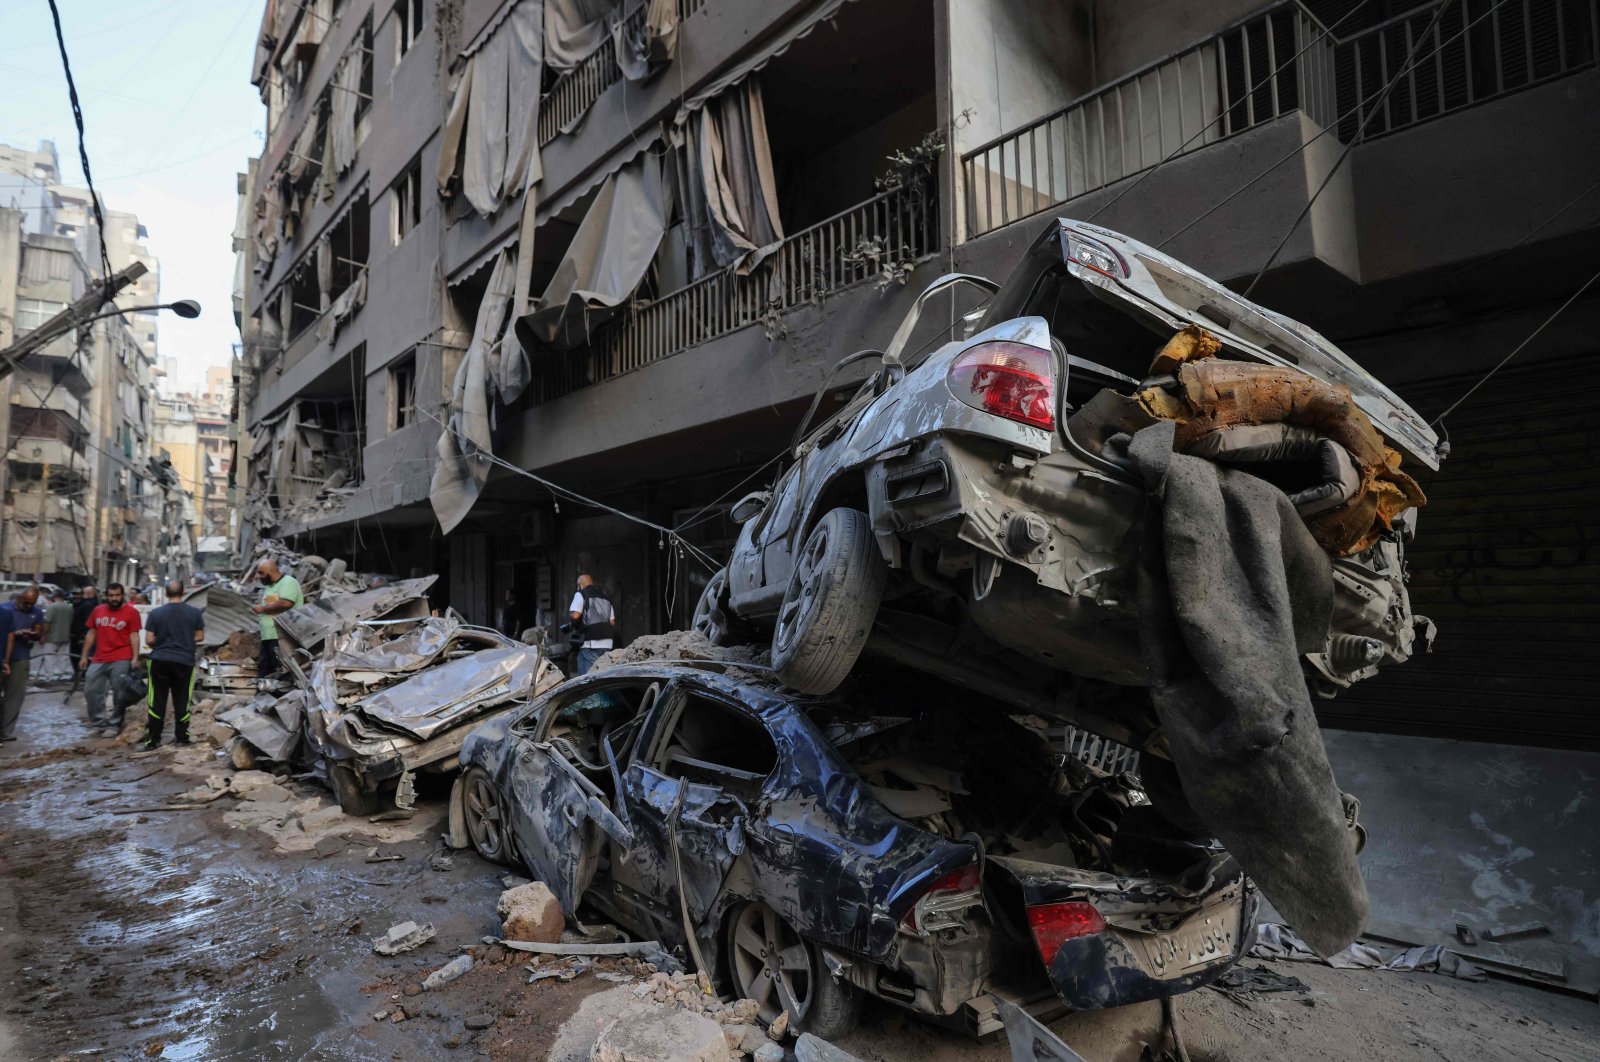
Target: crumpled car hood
[[429, 702]]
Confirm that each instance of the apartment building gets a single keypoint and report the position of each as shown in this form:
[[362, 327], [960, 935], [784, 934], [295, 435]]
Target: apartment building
[[619, 246], [81, 502]]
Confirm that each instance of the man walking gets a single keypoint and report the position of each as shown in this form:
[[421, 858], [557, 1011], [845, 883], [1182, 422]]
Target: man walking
[[279, 594], [88, 598], [110, 643], [594, 619], [171, 634], [23, 621], [54, 664]]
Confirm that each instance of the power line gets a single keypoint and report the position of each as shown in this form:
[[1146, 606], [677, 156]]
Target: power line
[[83, 149]]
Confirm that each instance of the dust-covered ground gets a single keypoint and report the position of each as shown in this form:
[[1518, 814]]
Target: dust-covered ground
[[163, 905]]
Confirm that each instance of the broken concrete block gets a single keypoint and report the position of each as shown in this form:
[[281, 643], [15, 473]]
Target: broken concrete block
[[241, 754], [779, 1027], [744, 1037], [661, 1036], [404, 937], [448, 972], [219, 735], [768, 1052], [531, 913]]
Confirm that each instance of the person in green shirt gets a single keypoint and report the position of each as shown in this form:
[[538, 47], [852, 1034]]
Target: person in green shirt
[[279, 593]]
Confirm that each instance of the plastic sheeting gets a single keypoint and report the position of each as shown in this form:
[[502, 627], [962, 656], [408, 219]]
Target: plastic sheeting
[[730, 192], [608, 257]]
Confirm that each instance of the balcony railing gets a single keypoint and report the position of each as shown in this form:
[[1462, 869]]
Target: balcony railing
[[879, 240], [574, 92], [1279, 60]]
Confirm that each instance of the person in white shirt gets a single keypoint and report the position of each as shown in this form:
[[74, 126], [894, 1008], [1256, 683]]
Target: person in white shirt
[[594, 619]]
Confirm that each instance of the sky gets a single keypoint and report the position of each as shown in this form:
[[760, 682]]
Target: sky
[[170, 119]]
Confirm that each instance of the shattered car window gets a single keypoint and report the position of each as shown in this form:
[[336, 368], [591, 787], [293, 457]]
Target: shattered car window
[[714, 744]]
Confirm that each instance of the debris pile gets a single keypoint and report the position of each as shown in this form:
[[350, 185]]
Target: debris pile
[[374, 688]]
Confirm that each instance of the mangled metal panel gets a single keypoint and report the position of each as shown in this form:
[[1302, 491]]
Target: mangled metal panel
[[440, 697], [311, 624]]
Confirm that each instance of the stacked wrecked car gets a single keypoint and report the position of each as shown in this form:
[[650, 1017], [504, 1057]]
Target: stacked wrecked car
[[1131, 512], [379, 690]]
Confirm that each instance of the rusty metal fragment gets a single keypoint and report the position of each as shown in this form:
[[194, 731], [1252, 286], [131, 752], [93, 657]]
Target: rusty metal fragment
[[1209, 394]]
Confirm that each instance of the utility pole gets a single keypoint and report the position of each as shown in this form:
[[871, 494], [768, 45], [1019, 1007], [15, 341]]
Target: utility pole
[[82, 310]]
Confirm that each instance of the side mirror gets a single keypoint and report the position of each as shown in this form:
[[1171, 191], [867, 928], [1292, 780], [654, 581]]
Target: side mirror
[[749, 507]]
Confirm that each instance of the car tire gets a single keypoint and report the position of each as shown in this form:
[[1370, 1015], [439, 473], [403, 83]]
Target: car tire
[[770, 962], [483, 814], [712, 616], [353, 799], [832, 599]]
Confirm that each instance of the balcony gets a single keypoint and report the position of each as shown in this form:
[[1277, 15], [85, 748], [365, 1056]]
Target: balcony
[[1277, 61], [878, 241]]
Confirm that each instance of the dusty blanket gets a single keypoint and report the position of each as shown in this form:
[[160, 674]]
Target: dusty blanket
[[1232, 590]]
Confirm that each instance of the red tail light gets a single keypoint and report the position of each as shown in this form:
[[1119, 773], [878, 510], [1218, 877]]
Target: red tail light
[[1011, 380], [941, 906], [1054, 924]]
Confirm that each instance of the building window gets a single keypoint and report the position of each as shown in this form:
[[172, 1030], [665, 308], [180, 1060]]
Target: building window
[[31, 313], [403, 391], [408, 19], [364, 84], [407, 198]]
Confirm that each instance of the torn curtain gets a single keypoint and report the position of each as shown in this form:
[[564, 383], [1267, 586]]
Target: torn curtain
[[730, 195], [572, 30], [608, 257], [491, 366], [342, 106], [491, 130], [645, 37]]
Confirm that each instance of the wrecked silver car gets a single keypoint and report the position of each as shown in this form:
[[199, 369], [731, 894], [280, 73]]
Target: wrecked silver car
[[982, 488], [810, 853]]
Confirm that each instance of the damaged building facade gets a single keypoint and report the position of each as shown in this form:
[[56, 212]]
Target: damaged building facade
[[496, 251]]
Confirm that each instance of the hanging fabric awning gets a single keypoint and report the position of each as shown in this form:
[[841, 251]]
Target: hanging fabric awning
[[609, 254], [490, 132], [573, 29], [730, 193]]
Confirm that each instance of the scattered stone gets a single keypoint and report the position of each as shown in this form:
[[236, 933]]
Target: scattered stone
[[380, 1015], [404, 937], [480, 1021], [400, 1014], [411, 989], [328, 846], [448, 972], [219, 735], [780, 1027], [744, 1037], [453, 1042], [662, 1036], [768, 1052], [441, 861], [241, 754], [531, 913]]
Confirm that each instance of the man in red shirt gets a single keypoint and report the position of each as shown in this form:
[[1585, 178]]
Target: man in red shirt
[[111, 643]]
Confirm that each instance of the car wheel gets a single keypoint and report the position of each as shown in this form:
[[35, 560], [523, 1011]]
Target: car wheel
[[485, 816], [711, 611], [781, 970], [353, 799], [830, 604]]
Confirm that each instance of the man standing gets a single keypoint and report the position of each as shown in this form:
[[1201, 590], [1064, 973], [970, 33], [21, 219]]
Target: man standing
[[23, 622], [88, 598], [594, 619], [279, 594], [54, 664], [170, 635], [110, 642]]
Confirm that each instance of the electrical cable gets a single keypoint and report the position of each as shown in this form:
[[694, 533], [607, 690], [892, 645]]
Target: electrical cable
[[1331, 127], [1439, 420], [83, 150], [1344, 153], [1224, 111]]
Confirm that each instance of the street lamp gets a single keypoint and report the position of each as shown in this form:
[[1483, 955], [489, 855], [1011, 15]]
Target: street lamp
[[186, 308]]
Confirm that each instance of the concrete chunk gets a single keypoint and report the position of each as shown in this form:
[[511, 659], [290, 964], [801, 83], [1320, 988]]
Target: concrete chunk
[[531, 913], [662, 1036], [404, 937]]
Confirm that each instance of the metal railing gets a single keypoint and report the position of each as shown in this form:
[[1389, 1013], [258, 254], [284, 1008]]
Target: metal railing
[[1478, 50], [875, 240], [574, 92], [1231, 81]]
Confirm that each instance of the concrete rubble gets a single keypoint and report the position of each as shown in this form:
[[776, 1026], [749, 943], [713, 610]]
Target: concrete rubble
[[403, 937], [531, 913]]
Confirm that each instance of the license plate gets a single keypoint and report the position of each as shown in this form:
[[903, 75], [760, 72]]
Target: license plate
[[1204, 939]]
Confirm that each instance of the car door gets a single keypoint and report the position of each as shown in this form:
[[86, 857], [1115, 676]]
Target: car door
[[687, 795], [560, 817]]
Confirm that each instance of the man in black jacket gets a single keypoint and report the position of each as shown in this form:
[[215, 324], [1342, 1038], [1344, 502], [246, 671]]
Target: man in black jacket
[[594, 619]]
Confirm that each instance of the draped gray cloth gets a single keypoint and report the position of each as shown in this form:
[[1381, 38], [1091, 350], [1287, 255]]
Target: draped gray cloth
[[343, 102], [608, 257], [490, 132], [645, 37], [573, 29], [487, 369], [1233, 591], [730, 194]]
